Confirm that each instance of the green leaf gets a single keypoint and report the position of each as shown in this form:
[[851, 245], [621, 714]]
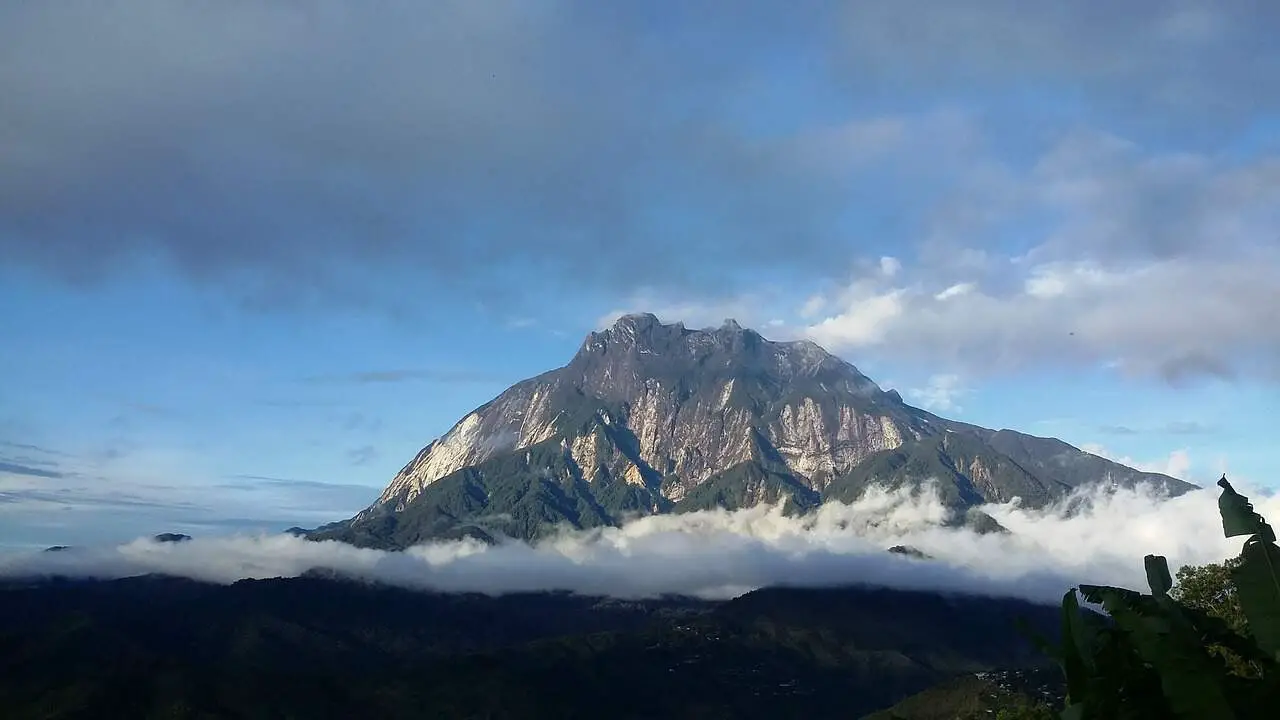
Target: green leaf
[[1158, 574], [1257, 581], [1216, 631], [1074, 711], [1077, 648], [1238, 516], [1189, 678]]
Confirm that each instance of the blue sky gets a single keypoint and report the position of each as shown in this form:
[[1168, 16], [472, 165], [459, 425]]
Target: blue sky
[[253, 258]]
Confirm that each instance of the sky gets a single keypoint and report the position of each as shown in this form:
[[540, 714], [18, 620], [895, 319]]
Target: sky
[[254, 256]]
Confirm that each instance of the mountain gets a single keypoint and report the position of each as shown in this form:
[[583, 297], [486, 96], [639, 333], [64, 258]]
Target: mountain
[[653, 418], [159, 647], [1024, 694]]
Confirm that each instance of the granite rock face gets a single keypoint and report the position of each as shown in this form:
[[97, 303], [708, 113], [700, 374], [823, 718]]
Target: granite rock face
[[650, 418]]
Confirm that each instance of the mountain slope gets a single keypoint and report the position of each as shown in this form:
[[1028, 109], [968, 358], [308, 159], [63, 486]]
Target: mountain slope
[[651, 418], [309, 648]]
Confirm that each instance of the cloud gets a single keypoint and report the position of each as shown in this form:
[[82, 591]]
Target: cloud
[[1187, 427], [310, 149], [18, 469], [359, 422], [115, 503], [362, 455], [1120, 200], [863, 321], [1176, 427], [1091, 251], [333, 151], [955, 291], [1141, 318], [1186, 58], [941, 394], [255, 481], [1177, 464], [720, 553], [1117, 430], [1156, 263], [813, 306], [36, 449], [373, 377]]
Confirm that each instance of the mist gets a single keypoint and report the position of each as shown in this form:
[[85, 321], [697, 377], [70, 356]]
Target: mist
[[1092, 537]]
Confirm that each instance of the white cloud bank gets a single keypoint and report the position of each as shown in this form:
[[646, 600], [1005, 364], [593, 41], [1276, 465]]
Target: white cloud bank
[[723, 554]]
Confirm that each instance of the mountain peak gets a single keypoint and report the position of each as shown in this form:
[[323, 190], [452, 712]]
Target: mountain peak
[[636, 322], [650, 418], [643, 334]]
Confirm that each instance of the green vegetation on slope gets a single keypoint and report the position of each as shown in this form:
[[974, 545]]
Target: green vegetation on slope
[[982, 696]]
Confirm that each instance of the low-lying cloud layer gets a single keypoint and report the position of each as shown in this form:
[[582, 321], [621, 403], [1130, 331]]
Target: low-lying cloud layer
[[722, 554]]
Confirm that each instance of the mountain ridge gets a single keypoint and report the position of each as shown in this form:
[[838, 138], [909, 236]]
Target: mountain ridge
[[651, 418]]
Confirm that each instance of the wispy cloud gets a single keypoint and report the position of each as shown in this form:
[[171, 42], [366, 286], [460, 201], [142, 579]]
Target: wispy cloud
[[360, 422], [38, 449], [370, 377], [18, 469], [1177, 464], [90, 506], [1187, 427], [1177, 427], [362, 455], [1117, 430], [942, 394]]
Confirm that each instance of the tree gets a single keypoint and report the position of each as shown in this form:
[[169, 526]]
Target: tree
[[1211, 589], [1153, 655]]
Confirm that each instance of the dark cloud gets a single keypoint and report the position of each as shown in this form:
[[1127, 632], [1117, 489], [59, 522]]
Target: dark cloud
[[1196, 365], [32, 448], [290, 145], [1210, 63], [302, 150], [19, 469]]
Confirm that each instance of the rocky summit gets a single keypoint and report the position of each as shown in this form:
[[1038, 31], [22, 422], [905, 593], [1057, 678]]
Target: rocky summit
[[653, 418]]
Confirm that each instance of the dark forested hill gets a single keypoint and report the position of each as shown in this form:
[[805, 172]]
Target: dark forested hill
[[157, 647]]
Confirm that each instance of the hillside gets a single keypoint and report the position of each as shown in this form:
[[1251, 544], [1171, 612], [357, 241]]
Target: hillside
[[316, 648]]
